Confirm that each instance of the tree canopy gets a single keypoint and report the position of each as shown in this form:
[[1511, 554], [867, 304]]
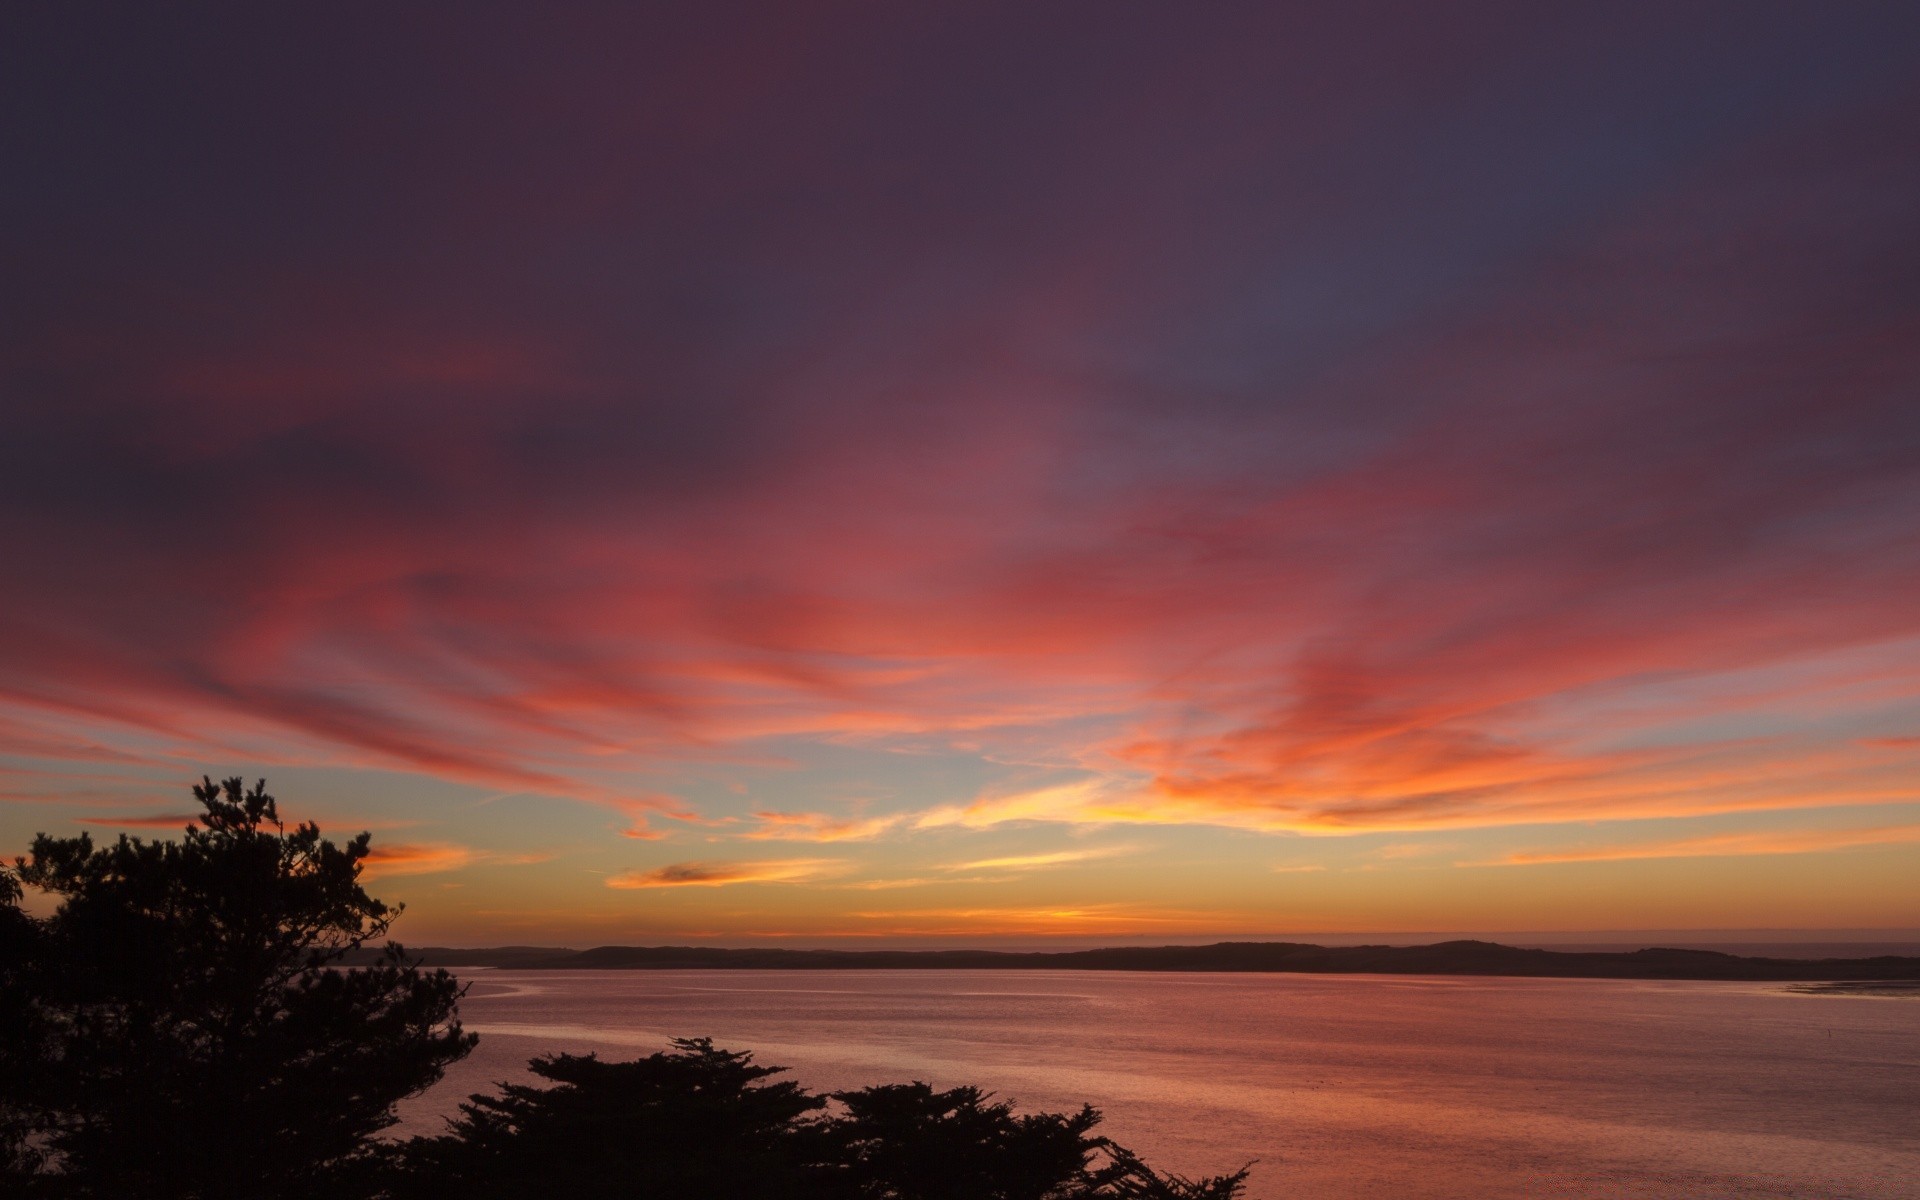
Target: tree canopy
[[186, 1032], [701, 1121]]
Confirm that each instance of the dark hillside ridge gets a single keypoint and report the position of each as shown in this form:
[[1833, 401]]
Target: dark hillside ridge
[[1443, 958]]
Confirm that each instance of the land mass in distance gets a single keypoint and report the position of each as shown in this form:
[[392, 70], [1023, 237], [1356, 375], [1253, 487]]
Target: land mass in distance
[[1442, 958]]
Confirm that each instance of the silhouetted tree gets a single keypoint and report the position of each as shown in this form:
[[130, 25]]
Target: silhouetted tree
[[697, 1122], [1127, 1178], [692, 1122], [909, 1140], [190, 1036], [24, 1041]]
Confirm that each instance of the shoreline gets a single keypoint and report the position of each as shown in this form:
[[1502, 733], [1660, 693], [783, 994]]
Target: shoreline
[[1452, 958]]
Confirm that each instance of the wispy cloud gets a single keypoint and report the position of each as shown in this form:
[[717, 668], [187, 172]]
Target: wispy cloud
[[431, 858], [1082, 801], [1022, 862], [887, 885], [1355, 786], [722, 874], [1805, 841], [640, 809], [1106, 918], [419, 859], [819, 827]]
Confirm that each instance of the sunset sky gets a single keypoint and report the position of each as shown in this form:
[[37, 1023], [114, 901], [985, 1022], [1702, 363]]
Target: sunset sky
[[736, 473]]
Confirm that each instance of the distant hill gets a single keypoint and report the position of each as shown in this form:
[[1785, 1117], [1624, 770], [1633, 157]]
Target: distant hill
[[1443, 958]]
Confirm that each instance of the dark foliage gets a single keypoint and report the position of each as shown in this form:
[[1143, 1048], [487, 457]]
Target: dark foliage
[[180, 1028], [183, 1032], [910, 1140], [698, 1121], [25, 1043]]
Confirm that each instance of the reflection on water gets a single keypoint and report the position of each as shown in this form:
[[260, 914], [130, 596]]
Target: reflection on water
[[1397, 1086]]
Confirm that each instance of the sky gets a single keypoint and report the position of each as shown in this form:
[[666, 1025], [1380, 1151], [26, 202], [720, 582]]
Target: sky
[[771, 472]]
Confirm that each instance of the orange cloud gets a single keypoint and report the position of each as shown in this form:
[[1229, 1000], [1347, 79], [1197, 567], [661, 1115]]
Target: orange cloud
[[1093, 918], [432, 858], [722, 874], [819, 827], [402, 859], [639, 809], [1020, 862], [1082, 801], [1357, 789], [1807, 841]]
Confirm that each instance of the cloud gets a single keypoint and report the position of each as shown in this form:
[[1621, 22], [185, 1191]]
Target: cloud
[[1804, 841], [722, 874], [1485, 494], [1080, 801], [819, 827], [639, 809], [423, 859], [1014, 919], [385, 859], [1352, 789], [1022, 862]]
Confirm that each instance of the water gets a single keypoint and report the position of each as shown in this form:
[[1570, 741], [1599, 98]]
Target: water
[[1383, 1086]]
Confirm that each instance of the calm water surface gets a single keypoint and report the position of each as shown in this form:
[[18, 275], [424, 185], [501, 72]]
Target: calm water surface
[[1382, 1086]]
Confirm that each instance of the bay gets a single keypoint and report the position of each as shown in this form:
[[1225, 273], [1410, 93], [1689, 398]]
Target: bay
[[1386, 1086]]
